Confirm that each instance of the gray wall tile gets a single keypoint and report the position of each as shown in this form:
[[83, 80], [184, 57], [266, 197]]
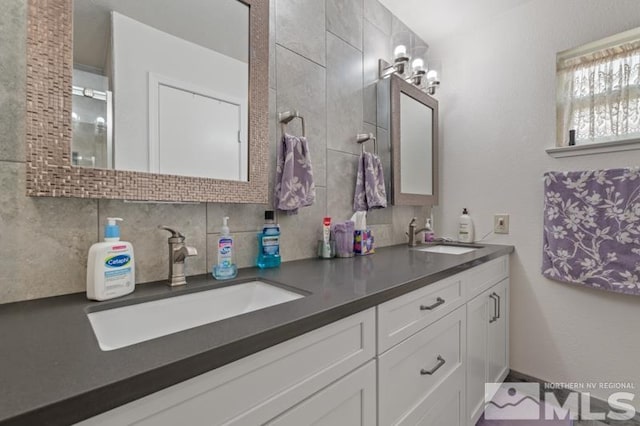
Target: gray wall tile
[[46, 240], [242, 217], [344, 19], [302, 86], [12, 79], [300, 27], [300, 233], [140, 228], [378, 15], [377, 45], [344, 95], [341, 183]]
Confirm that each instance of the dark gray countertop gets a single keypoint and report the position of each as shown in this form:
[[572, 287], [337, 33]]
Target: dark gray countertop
[[54, 373]]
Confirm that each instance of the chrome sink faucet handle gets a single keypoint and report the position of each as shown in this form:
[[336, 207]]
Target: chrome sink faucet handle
[[412, 233], [178, 252]]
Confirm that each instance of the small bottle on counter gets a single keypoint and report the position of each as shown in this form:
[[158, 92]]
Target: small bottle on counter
[[465, 228], [111, 266], [269, 242]]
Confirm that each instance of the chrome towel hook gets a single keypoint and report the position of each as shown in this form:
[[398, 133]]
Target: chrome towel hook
[[287, 116], [361, 138]]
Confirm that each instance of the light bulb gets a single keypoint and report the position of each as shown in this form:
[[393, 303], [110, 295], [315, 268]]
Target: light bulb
[[432, 75], [74, 116], [400, 51], [417, 64]]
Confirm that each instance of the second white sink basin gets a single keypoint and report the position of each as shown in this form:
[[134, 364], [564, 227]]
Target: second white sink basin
[[447, 249], [124, 326]]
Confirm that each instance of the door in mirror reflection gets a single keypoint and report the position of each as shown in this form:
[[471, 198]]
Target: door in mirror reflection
[[161, 86], [416, 149]]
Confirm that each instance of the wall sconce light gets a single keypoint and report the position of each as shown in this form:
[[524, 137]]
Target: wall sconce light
[[400, 62], [433, 82], [420, 76]]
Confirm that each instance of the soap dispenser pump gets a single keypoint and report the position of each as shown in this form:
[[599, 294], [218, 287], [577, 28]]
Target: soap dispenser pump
[[465, 228], [225, 268], [111, 265]]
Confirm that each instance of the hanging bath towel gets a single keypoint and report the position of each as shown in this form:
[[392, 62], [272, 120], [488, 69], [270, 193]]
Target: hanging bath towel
[[370, 191], [294, 177], [592, 229]]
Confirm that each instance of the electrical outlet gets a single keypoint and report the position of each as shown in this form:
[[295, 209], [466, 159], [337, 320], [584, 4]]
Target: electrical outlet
[[501, 223]]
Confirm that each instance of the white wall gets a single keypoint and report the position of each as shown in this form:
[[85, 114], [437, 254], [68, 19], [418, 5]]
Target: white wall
[[139, 49], [497, 109]]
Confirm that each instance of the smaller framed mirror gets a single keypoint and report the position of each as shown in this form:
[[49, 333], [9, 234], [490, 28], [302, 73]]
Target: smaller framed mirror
[[414, 145]]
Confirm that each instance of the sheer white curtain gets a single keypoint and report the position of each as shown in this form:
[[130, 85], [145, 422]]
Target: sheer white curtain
[[599, 95]]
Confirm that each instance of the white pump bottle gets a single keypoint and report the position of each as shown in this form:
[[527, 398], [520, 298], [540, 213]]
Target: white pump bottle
[[111, 265]]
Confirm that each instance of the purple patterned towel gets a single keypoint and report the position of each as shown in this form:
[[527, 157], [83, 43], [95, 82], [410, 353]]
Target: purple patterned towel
[[370, 192], [294, 177], [592, 229]]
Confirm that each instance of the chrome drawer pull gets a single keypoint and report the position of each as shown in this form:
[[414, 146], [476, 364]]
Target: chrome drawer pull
[[495, 316], [498, 297], [440, 363], [439, 301]]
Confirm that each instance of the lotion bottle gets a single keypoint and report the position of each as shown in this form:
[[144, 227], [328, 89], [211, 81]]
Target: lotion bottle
[[111, 266], [465, 228]]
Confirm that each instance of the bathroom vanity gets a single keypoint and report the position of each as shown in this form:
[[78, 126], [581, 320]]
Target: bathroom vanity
[[401, 337]]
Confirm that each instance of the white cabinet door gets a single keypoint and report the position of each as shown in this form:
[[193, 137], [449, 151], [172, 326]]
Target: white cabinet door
[[477, 353], [498, 365], [351, 401], [487, 345]]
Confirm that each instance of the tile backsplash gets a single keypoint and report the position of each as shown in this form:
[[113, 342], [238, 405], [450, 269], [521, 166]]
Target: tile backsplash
[[323, 62]]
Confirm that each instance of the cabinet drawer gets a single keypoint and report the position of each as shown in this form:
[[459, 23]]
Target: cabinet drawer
[[411, 372], [403, 316], [351, 401], [444, 407], [257, 388], [484, 276]]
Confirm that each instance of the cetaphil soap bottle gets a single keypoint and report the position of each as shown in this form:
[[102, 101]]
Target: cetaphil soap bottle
[[111, 266], [225, 268]]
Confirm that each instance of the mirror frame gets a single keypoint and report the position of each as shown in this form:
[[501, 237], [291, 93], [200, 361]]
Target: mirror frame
[[399, 198], [48, 122]]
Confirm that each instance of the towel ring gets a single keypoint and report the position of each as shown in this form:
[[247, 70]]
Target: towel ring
[[361, 138], [287, 116]]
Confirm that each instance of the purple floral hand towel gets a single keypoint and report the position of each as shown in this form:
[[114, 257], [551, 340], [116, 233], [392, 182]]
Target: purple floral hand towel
[[294, 187], [370, 191], [592, 229]]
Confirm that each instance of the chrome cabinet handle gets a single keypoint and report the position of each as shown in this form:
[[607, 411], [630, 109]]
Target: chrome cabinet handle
[[499, 299], [494, 317], [440, 363], [439, 301]]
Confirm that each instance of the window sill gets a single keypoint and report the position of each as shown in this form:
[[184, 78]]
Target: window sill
[[594, 148]]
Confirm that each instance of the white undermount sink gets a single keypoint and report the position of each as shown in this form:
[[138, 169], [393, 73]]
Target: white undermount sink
[[124, 326], [444, 249]]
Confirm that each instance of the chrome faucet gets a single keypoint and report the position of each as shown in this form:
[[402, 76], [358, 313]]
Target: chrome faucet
[[178, 252], [413, 232]]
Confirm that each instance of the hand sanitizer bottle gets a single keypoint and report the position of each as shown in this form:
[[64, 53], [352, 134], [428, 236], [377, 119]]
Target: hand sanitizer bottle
[[111, 266], [225, 269]]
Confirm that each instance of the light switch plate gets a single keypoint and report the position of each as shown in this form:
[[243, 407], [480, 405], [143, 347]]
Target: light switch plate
[[501, 223]]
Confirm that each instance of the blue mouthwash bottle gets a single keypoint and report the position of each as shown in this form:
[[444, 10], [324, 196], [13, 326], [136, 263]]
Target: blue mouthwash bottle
[[269, 242]]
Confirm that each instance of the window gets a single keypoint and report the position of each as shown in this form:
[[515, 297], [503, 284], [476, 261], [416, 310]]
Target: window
[[598, 94]]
